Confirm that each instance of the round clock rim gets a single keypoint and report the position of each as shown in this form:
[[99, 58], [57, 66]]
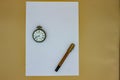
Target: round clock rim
[[33, 35]]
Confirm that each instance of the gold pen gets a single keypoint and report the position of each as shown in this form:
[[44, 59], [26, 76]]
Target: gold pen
[[65, 56]]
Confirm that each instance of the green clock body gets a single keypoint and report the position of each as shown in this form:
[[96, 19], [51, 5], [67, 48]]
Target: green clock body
[[39, 35]]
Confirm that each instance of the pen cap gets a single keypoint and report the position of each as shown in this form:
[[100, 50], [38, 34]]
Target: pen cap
[[72, 45]]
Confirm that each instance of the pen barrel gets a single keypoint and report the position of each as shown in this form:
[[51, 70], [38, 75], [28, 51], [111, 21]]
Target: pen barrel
[[67, 53]]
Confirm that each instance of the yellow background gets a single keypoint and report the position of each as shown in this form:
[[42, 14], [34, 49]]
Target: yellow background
[[99, 40]]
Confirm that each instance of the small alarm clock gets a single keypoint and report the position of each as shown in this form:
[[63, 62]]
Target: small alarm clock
[[39, 35]]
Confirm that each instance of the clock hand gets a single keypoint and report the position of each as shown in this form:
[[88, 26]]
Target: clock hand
[[37, 36]]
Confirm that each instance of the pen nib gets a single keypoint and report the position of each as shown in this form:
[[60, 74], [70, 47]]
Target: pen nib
[[57, 68]]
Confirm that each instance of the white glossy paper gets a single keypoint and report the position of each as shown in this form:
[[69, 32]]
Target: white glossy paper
[[60, 21]]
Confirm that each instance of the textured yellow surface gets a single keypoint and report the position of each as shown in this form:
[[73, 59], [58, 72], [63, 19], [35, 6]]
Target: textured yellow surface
[[99, 42]]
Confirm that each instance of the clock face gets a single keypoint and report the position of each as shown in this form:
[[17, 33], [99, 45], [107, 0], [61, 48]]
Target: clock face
[[39, 35]]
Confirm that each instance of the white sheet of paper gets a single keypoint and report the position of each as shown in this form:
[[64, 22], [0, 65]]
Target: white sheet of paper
[[60, 21]]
